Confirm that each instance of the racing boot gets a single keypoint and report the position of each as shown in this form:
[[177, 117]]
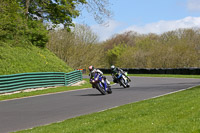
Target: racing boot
[[108, 83]]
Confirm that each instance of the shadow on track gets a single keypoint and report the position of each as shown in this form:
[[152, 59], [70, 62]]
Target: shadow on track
[[91, 95], [120, 88]]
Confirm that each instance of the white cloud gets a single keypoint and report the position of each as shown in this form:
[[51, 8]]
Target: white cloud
[[193, 5], [157, 27], [105, 31], [164, 26]]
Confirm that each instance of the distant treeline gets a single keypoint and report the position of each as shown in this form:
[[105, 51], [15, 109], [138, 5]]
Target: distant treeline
[[174, 49]]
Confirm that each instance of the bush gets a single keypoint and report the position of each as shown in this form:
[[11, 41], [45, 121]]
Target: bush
[[36, 33], [16, 30]]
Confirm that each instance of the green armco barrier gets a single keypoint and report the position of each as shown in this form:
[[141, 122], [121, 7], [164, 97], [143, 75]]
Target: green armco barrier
[[15, 82]]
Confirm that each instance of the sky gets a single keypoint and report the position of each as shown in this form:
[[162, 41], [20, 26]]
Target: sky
[[145, 16]]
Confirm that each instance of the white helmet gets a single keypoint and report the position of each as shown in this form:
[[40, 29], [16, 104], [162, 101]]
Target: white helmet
[[112, 67]]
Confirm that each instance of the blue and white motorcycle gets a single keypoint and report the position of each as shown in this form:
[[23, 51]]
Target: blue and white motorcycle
[[100, 84], [122, 79]]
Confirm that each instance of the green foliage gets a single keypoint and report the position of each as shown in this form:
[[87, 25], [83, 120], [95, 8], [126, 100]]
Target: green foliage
[[18, 31], [174, 49], [37, 33], [115, 53], [78, 48], [128, 38], [11, 22], [55, 11], [29, 59], [145, 43]]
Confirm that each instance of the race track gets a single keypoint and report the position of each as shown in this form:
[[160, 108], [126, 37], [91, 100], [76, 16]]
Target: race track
[[29, 112]]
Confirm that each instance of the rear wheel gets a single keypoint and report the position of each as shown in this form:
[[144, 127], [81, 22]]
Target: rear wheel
[[109, 90], [127, 85]]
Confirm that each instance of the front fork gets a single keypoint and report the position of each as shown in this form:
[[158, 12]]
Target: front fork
[[105, 84]]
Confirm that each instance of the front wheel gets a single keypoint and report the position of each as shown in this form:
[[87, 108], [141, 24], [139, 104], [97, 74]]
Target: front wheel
[[123, 82], [100, 88]]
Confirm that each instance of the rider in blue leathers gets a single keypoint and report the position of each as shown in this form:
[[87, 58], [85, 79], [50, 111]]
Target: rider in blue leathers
[[93, 70]]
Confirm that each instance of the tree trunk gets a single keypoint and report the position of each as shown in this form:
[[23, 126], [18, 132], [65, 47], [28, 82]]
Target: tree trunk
[[26, 8]]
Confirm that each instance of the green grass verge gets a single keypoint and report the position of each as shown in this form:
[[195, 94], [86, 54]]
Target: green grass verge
[[174, 113], [45, 91]]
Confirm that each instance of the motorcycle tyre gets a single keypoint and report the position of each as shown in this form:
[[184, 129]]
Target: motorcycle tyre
[[127, 86], [123, 83], [109, 91], [100, 89]]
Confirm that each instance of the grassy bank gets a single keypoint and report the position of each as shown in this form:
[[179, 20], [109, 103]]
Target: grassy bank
[[29, 59], [175, 113]]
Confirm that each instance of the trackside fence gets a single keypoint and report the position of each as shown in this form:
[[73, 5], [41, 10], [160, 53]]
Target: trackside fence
[[73, 77], [16, 82]]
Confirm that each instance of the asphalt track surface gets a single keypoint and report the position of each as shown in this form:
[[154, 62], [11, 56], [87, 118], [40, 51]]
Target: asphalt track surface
[[30, 112]]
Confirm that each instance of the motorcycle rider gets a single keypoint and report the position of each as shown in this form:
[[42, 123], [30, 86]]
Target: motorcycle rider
[[93, 70], [116, 70]]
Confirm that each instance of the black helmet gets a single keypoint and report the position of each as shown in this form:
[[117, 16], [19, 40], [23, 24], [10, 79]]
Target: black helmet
[[91, 68], [112, 67]]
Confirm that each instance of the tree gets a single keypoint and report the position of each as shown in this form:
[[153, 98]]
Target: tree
[[18, 30], [115, 53], [63, 11], [78, 48], [55, 11], [84, 34], [99, 9], [128, 38], [11, 22]]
